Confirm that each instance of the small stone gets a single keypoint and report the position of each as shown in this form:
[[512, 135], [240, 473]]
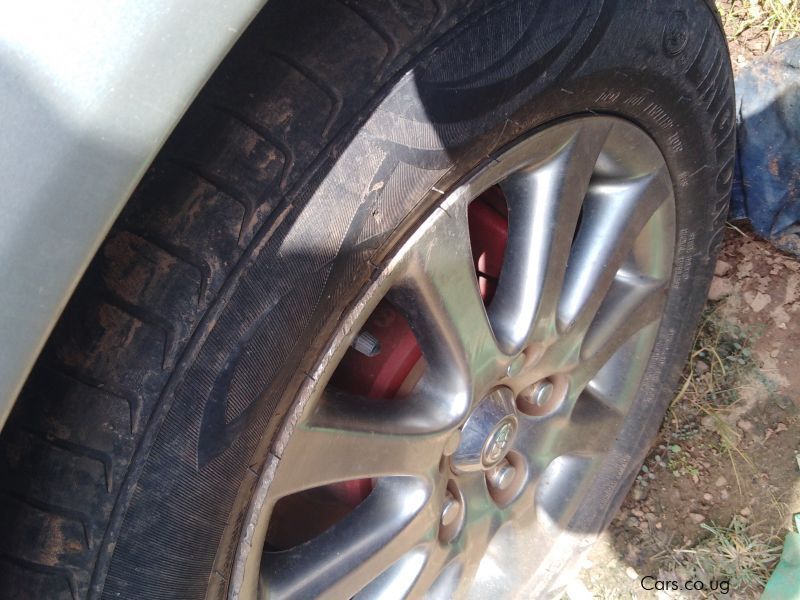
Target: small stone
[[631, 522], [721, 481], [632, 552], [708, 422], [722, 268], [638, 494], [745, 512], [697, 517], [758, 302], [631, 573], [744, 425], [719, 288], [723, 494], [708, 497], [659, 525], [701, 367], [637, 513]]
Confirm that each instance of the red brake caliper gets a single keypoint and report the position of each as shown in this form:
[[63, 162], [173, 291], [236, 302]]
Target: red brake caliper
[[398, 364], [488, 232]]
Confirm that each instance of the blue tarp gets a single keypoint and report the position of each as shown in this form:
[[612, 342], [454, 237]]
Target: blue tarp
[[767, 186]]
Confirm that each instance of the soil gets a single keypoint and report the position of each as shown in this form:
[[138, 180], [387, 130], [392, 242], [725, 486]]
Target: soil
[[748, 31]]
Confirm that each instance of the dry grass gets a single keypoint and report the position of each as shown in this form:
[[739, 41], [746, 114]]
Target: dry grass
[[713, 378], [719, 369], [778, 20], [733, 553]]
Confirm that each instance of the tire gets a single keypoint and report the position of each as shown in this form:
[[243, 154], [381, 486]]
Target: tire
[[129, 465]]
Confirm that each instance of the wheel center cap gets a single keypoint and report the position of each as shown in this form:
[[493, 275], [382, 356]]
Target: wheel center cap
[[499, 441], [488, 434]]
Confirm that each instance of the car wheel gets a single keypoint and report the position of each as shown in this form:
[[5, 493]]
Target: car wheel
[[397, 311]]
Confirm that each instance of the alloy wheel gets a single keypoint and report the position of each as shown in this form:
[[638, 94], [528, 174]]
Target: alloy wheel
[[450, 466]]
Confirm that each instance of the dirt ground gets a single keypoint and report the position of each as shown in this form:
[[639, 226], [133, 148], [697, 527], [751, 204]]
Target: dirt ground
[[753, 27], [718, 490], [715, 497]]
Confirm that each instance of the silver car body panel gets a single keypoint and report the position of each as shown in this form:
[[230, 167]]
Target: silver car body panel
[[89, 91]]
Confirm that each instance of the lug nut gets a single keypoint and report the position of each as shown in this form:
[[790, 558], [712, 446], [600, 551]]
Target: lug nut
[[450, 510], [534, 397], [502, 476]]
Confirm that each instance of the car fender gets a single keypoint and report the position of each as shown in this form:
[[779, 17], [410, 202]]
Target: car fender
[[89, 91]]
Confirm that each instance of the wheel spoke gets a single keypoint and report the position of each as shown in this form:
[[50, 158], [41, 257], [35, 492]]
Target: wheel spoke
[[445, 585], [632, 304], [559, 488], [450, 568], [329, 454], [484, 518], [544, 201], [398, 580], [425, 411], [614, 213], [430, 582], [616, 383], [538, 436], [591, 430], [394, 519], [439, 296]]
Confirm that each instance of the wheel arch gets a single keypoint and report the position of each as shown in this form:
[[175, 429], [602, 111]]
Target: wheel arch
[[89, 93]]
